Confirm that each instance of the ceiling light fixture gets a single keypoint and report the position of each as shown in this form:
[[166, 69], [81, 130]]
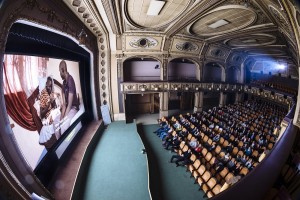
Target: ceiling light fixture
[[155, 7], [218, 23]]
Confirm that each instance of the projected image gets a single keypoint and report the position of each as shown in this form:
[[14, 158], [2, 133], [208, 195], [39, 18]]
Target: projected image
[[43, 98]]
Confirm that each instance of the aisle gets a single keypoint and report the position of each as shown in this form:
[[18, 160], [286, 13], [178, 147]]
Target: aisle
[[118, 169]]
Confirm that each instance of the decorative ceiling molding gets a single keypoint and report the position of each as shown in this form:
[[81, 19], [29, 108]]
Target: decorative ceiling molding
[[144, 42], [217, 52], [193, 14], [253, 40], [237, 17], [136, 13], [113, 13], [88, 13], [186, 46]]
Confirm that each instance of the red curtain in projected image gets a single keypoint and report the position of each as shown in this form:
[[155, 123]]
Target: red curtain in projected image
[[20, 80]]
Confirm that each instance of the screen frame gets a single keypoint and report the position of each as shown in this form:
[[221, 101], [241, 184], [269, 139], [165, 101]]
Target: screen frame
[[28, 40]]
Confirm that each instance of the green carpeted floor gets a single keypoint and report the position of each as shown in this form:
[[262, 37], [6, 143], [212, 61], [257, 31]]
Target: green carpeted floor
[[118, 169], [167, 182]]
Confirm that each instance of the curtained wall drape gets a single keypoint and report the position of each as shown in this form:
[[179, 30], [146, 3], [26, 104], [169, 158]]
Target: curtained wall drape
[[16, 104], [20, 82]]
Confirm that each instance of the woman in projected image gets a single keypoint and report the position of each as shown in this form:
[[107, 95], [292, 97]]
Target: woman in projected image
[[49, 109], [70, 105]]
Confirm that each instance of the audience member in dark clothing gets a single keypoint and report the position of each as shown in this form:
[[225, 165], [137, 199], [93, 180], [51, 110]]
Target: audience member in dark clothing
[[184, 158]]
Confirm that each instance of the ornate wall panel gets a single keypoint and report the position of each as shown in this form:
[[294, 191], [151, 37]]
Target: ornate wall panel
[[140, 43], [185, 47]]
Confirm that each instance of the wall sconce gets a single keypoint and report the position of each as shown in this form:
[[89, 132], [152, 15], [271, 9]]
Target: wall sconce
[[82, 37], [155, 87], [175, 87], [143, 88]]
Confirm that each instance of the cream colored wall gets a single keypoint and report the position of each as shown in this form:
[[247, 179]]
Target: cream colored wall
[[73, 69], [114, 84]]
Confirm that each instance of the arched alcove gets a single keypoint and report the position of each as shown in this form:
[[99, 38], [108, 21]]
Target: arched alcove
[[141, 69], [181, 69], [212, 72], [233, 74], [247, 70]]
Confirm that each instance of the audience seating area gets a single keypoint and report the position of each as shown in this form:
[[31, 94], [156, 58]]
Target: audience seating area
[[226, 142], [276, 86]]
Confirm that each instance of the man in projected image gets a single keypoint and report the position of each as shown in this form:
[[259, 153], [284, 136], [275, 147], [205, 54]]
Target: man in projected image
[[69, 97]]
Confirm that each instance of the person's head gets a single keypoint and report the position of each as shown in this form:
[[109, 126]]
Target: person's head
[[49, 85], [63, 69]]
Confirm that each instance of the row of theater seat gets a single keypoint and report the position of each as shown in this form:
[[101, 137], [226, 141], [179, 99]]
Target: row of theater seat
[[202, 167], [277, 86]]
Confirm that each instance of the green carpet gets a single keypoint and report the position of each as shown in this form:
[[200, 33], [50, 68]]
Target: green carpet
[[118, 169], [167, 182]]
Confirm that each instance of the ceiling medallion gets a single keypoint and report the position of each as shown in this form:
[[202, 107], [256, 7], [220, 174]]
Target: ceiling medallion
[[217, 53], [186, 46], [143, 42]]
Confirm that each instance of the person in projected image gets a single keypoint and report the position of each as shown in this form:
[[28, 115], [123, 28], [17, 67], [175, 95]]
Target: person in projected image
[[70, 104], [49, 108]]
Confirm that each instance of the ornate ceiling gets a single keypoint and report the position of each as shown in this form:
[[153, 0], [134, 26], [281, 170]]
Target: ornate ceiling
[[259, 29]]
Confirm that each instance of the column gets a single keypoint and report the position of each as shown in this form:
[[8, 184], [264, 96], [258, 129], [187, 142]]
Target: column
[[163, 104], [238, 97], [164, 68], [222, 99], [242, 73], [198, 103]]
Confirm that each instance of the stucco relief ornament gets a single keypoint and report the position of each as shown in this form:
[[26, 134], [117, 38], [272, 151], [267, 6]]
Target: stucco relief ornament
[[186, 46], [143, 42]]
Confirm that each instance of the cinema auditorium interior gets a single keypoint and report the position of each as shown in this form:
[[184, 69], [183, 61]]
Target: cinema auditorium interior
[[149, 99]]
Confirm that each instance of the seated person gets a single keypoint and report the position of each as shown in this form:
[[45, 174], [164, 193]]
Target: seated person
[[177, 125], [174, 143], [198, 149], [248, 151], [70, 105], [249, 164], [216, 138], [193, 143], [183, 133], [229, 148], [231, 165], [184, 158], [49, 112], [219, 167], [225, 158], [211, 147]]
